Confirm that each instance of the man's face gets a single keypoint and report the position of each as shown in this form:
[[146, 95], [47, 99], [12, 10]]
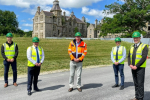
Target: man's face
[[36, 44], [118, 43], [137, 40], [9, 39], [78, 39]]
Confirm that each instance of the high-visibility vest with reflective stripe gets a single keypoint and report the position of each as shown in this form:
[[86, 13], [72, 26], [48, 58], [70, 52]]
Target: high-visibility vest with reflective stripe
[[34, 55], [9, 51], [120, 53], [138, 54]]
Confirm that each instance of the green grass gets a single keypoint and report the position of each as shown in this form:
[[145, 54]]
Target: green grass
[[56, 53]]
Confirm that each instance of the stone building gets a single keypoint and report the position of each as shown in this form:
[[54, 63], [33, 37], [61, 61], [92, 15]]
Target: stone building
[[92, 31], [53, 24]]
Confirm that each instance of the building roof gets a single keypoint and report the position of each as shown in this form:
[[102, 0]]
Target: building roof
[[48, 13], [77, 19], [55, 7]]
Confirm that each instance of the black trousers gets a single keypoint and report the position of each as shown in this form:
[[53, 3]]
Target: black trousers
[[14, 69], [33, 72], [139, 78]]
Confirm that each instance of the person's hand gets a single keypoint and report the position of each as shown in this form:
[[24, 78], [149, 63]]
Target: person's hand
[[11, 60], [116, 63], [131, 66], [134, 67], [78, 60], [39, 64], [8, 60], [36, 64]]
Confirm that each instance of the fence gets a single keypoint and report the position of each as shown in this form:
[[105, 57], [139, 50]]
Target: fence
[[143, 40]]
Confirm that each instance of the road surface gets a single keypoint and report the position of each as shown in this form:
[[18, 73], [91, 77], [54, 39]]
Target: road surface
[[96, 83]]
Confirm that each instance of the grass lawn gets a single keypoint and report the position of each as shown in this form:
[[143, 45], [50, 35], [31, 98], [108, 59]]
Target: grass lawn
[[56, 53]]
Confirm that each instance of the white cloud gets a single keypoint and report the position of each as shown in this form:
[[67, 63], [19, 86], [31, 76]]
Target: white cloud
[[26, 30], [30, 19], [28, 25], [87, 20], [63, 3], [123, 1], [67, 12], [96, 13], [23, 21]]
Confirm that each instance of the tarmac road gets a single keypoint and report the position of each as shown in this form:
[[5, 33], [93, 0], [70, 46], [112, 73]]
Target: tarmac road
[[96, 83]]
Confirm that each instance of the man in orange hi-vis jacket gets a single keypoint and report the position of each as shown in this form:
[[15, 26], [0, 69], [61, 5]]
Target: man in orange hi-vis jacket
[[77, 51]]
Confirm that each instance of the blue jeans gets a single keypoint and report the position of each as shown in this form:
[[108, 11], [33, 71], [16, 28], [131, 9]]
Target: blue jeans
[[119, 68], [14, 69]]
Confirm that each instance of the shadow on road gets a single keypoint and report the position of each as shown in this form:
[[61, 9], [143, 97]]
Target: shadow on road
[[53, 87], [92, 85], [26, 82], [128, 84], [147, 95]]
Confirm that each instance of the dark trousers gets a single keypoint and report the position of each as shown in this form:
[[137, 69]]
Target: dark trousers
[[138, 78], [14, 69], [119, 68], [33, 72]]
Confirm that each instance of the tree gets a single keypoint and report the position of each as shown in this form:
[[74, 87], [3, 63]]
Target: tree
[[8, 22], [130, 16], [76, 30]]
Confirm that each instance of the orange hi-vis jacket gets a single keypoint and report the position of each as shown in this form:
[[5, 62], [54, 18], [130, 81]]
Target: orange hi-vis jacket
[[82, 50]]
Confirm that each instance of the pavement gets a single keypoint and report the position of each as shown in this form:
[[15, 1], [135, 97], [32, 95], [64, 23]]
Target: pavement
[[96, 83]]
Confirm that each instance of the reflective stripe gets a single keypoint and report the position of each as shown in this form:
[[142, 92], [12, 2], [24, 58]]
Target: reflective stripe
[[138, 58], [73, 52], [9, 55], [70, 53], [69, 49], [85, 50], [83, 55]]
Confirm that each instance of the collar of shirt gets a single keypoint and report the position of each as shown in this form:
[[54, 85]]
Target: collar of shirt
[[137, 44], [34, 46], [78, 43]]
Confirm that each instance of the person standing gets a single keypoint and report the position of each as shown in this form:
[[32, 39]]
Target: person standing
[[9, 52], [77, 50], [118, 55], [137, 61], [35, 56]]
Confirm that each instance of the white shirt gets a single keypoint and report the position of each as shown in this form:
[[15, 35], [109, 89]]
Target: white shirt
[[138, 44], [29, 55]]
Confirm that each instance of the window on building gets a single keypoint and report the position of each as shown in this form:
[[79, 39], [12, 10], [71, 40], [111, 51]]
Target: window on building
[[90, 31], [36, 18], [41, 17], [149, 28], [90, 36], [36, 27], [41, 27]]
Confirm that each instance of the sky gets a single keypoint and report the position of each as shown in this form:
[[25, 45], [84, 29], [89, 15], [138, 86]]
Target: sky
[[26, 9]]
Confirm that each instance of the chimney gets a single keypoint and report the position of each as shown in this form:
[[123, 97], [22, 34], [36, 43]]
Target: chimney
[[38, 8], [83, 19], [64, 13], [96, 23]]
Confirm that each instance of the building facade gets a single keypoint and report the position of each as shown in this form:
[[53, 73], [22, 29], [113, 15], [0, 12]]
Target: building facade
[[53, 24]]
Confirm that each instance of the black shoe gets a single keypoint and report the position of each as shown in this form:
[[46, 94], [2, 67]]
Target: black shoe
[[37, 90], [122, 87], [116, 85], [29, 93], [70, 90]]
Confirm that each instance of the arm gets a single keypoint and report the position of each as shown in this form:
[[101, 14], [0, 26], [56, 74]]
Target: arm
[[144, 57], [129, 61], [43, 56], [70, 52], [3, 53], [124, 56], [16, 52], [112, 58], [84, 53], [29, 55]]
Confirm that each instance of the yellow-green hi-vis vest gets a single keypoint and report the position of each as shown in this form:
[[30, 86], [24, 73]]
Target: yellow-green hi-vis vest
[[9, 51], [34, 55], [120, 53], [138, 54]]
